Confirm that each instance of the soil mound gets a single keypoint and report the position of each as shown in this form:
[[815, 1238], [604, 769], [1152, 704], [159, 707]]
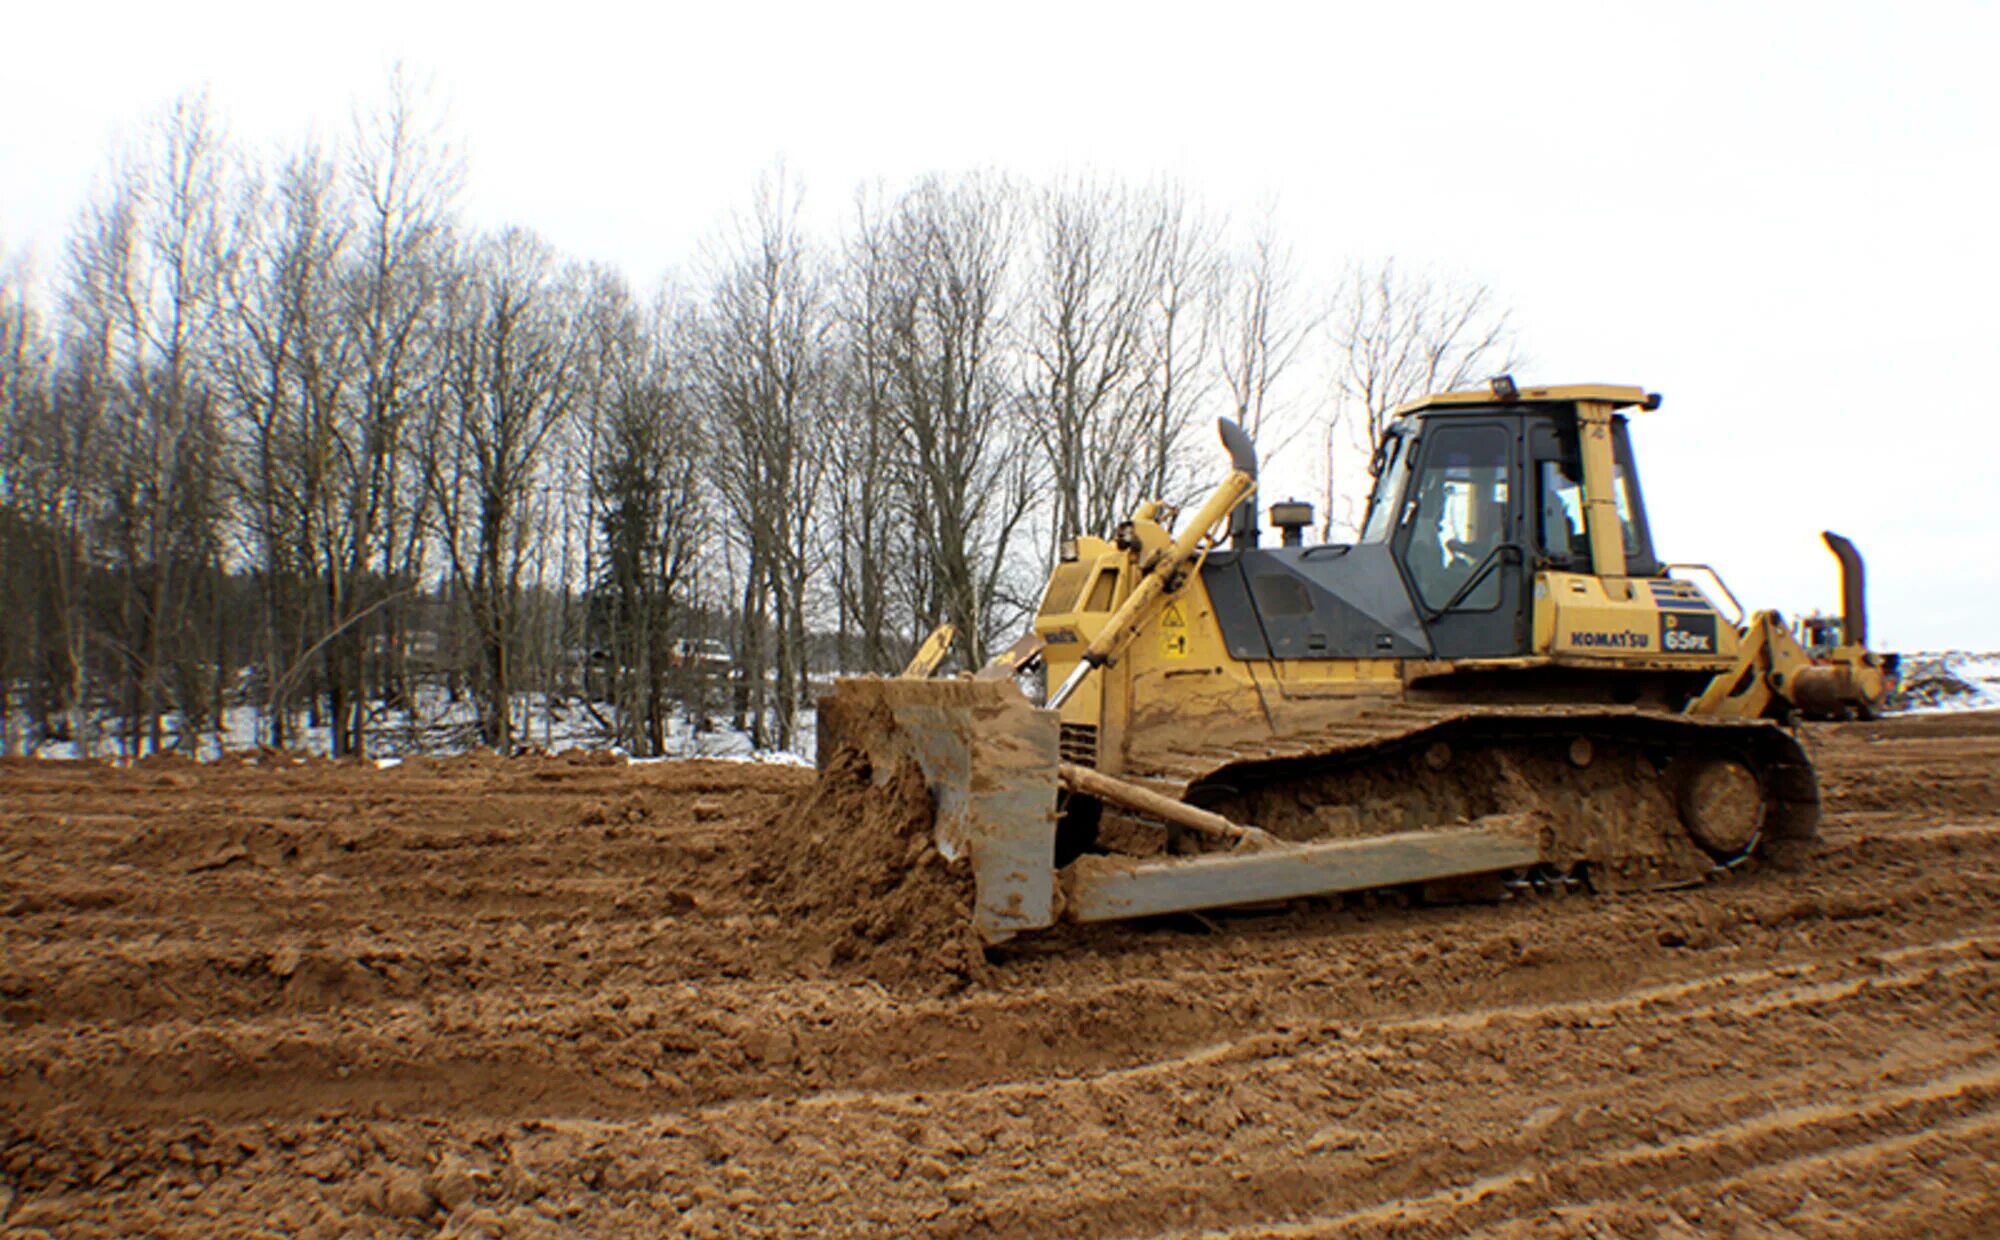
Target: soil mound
[[854, 870]]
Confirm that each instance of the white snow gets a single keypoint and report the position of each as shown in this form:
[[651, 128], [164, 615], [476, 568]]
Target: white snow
[[439, 725], [1948, 681]]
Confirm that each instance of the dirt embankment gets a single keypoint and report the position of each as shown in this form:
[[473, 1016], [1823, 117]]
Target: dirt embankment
[[555, 997]]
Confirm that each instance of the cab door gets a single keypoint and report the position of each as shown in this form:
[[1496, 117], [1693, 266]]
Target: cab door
[[1458, 539]]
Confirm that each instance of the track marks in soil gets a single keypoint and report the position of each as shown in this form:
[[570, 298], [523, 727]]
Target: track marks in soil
[[1722, 1164], [1431, 1103]]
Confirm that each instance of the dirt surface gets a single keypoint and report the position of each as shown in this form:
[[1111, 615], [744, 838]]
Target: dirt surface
[[555, 997]]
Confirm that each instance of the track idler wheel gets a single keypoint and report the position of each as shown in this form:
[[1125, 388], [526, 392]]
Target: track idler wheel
[[1721, 804]]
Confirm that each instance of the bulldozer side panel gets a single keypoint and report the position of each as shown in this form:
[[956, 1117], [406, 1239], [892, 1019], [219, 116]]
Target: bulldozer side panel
[[1664, 623], [1179, 687], [1079, 600]]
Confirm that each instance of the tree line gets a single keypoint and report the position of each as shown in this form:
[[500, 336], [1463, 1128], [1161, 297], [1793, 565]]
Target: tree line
[[282, 435]]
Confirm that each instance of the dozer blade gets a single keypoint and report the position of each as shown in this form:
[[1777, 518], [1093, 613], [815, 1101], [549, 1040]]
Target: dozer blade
[[989, 758]]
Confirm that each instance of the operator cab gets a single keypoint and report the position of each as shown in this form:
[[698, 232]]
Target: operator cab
[[1475, 492]]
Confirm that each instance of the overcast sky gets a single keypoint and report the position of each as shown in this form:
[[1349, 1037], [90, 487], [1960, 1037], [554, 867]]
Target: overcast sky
[[1781, 216]]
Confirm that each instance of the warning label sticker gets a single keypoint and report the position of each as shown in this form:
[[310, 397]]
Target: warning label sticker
[[1173, 633]]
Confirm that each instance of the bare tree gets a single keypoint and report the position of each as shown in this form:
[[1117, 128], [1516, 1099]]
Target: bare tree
[[1396, 337], [285, 369], [403, 181], [1263, 330], [766, 383], [1096, 262], [1180, 323], [149, 267], [646, 500], [1264, 327], [509, 383], [871, 535], [67, 465], [968, 476], [27, 406]]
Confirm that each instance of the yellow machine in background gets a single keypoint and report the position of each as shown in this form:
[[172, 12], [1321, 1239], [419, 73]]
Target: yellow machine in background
[[1499, 677]]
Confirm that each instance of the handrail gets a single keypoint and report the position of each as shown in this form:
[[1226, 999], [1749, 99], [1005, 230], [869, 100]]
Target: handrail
[[1720, 584], [1485, 566]]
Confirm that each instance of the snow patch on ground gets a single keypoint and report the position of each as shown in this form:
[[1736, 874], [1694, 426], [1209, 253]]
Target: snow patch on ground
[[437, 724], [1949, 680]]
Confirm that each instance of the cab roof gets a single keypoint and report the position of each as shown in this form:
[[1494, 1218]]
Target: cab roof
[[1503, 392]]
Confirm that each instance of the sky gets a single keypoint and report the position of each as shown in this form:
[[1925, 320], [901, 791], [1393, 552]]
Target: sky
[[1781, 216]]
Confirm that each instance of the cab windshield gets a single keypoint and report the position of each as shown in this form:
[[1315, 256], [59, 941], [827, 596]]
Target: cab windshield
[[1389, 479]]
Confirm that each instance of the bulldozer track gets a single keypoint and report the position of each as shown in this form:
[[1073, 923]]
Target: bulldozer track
[[1375, 758]]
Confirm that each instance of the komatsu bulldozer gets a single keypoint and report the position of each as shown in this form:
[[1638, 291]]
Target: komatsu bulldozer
[[1498, 684]]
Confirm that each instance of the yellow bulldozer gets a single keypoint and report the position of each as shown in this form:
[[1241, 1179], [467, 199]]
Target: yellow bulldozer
[[1498, 683]]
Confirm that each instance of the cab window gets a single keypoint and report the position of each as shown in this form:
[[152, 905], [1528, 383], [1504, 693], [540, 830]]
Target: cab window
[[1561, 515], [1561, 528], [1458, 516]]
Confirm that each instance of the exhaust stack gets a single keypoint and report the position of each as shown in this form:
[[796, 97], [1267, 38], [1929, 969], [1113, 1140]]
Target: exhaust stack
[[1853, 590]]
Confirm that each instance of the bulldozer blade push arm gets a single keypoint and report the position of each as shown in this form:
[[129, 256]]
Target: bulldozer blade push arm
[[1757, 686], [1010, 662], [1166, 809]]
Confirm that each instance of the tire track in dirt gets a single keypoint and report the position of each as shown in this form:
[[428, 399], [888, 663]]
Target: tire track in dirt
[[1368, 1071], [1810, 1138], [1743, 994]]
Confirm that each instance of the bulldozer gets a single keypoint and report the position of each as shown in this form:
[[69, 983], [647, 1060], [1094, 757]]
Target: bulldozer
[[1498, 685]]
